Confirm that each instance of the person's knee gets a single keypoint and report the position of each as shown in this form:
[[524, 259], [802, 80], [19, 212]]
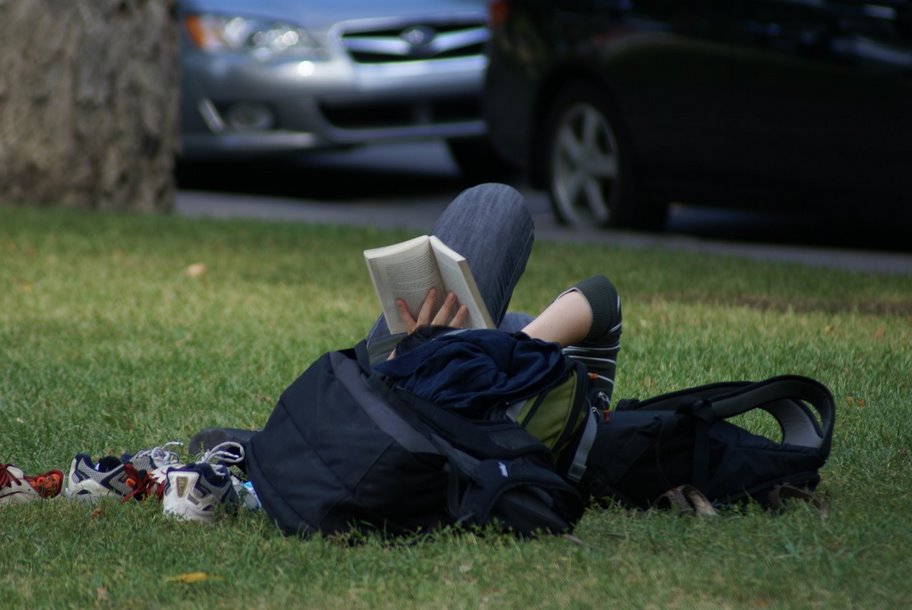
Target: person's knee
[[493, 189], [494, 195], [498, 209]]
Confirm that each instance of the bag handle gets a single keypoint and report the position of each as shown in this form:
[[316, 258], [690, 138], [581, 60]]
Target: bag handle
[[789, 399]]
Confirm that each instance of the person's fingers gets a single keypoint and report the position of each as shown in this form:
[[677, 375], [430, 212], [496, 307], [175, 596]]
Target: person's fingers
[[427, 308], [462, 315], [451, 313], [406, 315], [446, 310]]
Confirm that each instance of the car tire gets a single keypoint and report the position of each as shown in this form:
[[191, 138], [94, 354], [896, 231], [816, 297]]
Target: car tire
[[588, 165], [477, 160]]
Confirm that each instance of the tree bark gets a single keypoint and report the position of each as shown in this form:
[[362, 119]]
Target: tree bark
[[88, 103]]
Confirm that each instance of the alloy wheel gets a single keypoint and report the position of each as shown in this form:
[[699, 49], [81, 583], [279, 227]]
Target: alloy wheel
[[585, 166]]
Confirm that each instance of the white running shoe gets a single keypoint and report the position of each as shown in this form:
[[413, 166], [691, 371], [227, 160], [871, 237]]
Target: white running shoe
[[156, 462], [16, 487], [139, 475], [195, 492]]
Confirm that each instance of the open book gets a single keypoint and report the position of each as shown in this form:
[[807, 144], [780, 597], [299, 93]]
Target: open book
[[409, 269]]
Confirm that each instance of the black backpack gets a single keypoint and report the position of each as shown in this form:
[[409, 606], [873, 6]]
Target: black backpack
[[646, 449], [344, 450]]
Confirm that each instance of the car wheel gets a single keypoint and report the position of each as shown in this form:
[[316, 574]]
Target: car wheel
[[477, 159], [589, 168]]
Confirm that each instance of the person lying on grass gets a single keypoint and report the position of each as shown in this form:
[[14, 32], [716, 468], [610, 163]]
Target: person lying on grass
[[491, 227]]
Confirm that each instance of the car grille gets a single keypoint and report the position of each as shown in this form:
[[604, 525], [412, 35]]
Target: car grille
[[405, 114], [455, 37]]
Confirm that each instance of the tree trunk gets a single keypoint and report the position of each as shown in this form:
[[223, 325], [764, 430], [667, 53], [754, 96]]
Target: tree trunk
[[88, 103]]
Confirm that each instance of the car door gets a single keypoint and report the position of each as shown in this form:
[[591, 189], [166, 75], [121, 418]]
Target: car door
[[825, 92], [667, 65]]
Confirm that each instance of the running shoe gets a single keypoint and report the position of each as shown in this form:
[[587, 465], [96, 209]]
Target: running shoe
[[600, 356], [138, 475], [155, 463], [156, 458], [208, 438], [196, 491], [16, 487]]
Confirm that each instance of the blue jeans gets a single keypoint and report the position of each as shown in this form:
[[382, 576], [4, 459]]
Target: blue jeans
[[491, 227]]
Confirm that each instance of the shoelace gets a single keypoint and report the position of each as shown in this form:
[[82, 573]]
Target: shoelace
[[7, 478], [161, 454], [142, 484], [228, 452]]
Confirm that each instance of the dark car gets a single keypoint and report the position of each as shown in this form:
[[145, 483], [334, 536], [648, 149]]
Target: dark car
[[620, 107]]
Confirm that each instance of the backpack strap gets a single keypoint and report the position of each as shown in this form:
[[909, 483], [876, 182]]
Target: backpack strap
[[786, 398], [370, 394], [519, 494], [581, 455], [790, 400], [703, 415], [360, 353], [628, 449], [498, 472]]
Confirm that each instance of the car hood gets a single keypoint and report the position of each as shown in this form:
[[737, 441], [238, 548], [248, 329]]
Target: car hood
[[323, 13]]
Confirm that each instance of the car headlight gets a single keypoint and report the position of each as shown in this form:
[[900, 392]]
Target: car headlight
[[262, 38]]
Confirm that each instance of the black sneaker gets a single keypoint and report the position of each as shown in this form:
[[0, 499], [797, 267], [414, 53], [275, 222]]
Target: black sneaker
[[208, 438], [599, 351]]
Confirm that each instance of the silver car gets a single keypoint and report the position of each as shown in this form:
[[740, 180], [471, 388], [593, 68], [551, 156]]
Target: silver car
[[281, 76]]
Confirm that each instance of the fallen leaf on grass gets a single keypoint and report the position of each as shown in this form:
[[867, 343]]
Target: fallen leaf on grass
[[191, 577], [195, 270]]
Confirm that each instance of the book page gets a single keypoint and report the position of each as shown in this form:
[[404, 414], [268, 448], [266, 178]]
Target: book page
[[457, 277], [406, 271]]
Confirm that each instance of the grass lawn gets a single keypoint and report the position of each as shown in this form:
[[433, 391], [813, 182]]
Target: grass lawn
[[107, 345]]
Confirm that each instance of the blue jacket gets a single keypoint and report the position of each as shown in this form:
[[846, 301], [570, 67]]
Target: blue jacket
[[475, 369]]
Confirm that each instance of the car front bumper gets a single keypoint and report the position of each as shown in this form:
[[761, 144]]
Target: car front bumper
[[324, 105]]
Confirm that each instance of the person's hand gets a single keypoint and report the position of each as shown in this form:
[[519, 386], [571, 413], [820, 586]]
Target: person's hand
[[451, 313]]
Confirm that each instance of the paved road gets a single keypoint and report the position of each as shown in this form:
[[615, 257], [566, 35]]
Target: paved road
[[408, 185]]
